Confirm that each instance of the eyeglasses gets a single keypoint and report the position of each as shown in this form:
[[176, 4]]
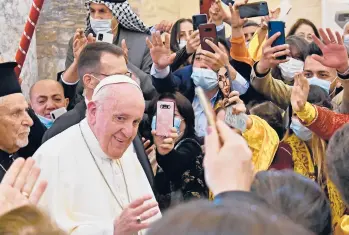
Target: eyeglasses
[[128, 74]]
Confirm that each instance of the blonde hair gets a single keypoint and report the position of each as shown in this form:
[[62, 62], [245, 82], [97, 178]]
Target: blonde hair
[[28, 220]]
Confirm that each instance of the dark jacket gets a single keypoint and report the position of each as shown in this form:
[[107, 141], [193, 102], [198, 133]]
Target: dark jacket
[[139, 62], [180, 175], [76, 115]]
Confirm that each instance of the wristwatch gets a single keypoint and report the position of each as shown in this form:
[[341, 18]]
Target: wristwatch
[[344, 75]]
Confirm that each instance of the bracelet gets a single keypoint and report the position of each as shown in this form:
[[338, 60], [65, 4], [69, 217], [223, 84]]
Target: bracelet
[[345, 73]]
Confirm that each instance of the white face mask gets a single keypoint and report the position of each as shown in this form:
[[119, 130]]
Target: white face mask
[[205, 78], [100, 26], [346, 40], [182, 44], [290, 68]]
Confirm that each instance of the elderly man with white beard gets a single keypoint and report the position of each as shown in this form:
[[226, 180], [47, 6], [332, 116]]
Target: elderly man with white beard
[[96, 184], [15, 121]]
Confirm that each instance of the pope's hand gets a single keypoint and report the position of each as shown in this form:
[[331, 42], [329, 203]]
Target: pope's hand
[[133, 218], [16, 188]]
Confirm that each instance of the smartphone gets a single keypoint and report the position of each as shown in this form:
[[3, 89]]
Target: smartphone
[[164, 117], [237, 121], [198, 20], [208, 31], [254, 10], [273, 28], [57, 113], [226, 2], [105, 37]]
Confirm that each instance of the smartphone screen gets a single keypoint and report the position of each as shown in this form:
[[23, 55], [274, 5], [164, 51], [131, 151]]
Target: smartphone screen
[[198, 20], [273, 28], [208, 31], [254, 10], [164, 117]]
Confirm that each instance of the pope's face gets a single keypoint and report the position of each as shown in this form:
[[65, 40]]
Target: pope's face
[[15, 123], [115, 120]]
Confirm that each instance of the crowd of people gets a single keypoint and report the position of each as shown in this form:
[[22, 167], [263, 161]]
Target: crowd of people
[[101, 166]]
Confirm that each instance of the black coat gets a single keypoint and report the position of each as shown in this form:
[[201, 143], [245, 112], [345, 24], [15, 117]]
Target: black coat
[[76, 115], [5, 162]]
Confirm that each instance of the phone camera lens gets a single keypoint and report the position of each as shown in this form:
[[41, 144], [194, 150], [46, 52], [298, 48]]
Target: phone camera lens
[[54, 116], [100, 37]]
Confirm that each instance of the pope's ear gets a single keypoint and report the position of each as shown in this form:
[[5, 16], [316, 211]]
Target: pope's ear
[[91, 112]]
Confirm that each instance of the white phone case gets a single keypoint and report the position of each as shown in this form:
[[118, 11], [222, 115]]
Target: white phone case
[[105, 37], [57, 113]]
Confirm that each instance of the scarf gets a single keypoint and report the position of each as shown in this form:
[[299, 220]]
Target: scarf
[[122, 12]]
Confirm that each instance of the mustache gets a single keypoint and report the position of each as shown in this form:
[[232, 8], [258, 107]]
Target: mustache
[[25, 131]]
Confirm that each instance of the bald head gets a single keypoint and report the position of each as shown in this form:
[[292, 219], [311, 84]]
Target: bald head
[[114, 115], [46, 96]]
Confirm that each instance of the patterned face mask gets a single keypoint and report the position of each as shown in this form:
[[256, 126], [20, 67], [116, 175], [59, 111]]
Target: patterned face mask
[[122, 12]]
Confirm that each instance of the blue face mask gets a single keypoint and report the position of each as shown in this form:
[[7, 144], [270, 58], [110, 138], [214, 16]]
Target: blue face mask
[[177, 124], [47, 122], [321, 83], [301, 131], [205, 78]]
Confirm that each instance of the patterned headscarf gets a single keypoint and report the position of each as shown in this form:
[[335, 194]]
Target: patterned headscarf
[[122, 12]]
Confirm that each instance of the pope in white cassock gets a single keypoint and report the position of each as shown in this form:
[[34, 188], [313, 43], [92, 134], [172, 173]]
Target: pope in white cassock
[[96, 184]]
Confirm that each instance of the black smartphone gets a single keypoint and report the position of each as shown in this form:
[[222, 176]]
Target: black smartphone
[[198, 20], [208, 31], [226, 2], [254, 9], [273, 28]]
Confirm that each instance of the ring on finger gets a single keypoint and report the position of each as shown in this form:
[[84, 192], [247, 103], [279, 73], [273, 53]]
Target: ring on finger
[[139, 220]]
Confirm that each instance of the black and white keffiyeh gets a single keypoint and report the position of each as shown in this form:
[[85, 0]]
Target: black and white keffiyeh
[[123, 13]]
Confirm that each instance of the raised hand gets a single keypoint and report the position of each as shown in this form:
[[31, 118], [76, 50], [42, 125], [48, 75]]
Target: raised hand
[[133, 218], [300, 92], [160, 53], [80, 41], [238, 104], [270, 54], [164, 26], [216, 13], [228, 167], [236, 21], [164, 145], [334, 52], [16, 188], [193, 42], [215, 60]]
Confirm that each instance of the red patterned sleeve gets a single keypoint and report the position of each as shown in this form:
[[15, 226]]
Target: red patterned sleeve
[[327, 122]]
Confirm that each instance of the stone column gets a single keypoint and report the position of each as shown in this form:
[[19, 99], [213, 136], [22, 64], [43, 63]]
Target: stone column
[[58, 21], [13, 16]]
